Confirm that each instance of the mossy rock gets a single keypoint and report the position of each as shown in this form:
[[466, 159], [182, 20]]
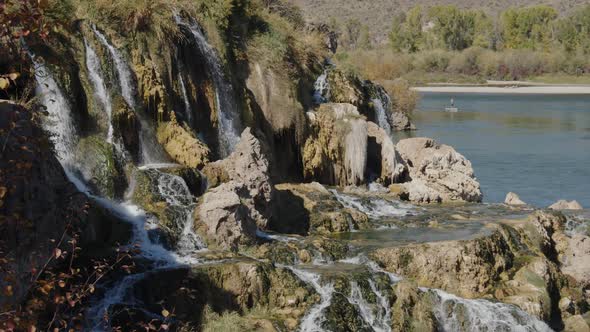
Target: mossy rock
[[101, 166]]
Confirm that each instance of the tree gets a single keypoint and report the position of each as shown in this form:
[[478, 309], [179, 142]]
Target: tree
[[573, 32], [406, 32], [529, 27]]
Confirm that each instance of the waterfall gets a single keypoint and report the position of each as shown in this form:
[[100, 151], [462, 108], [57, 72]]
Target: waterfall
[[227, 111], [177, 194], [321, 91], [100, 88], [457, 314], [383, 315], [151, 151], [312, 322], [188, 113], [123, 71], [59, 122], [60, 125], [355, 151], [381, 115], [378, 322]]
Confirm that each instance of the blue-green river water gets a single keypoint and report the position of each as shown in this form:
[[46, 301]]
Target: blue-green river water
[[535, 145]]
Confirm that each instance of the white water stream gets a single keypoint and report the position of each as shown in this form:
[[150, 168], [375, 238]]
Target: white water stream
[[100, 89]]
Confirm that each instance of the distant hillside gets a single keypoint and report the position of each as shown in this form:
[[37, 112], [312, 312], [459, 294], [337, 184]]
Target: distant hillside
[[377, 14]]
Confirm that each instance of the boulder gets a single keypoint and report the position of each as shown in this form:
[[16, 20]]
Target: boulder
[[224, 219], [401, 122], [513, 199], [248, 164], [182, 145], [383, 158], [574, 256], [442, 174], [565, 205]]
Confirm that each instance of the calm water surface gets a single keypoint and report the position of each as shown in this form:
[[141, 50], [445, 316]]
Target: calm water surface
[[535, 145]]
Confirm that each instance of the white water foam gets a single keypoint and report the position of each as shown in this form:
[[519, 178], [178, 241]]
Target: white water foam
[[381, 115]]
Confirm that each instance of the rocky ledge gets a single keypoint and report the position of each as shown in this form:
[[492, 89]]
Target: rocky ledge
[[530, 263]]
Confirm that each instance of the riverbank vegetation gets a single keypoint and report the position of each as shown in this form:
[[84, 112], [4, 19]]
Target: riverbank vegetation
[[448, 44]]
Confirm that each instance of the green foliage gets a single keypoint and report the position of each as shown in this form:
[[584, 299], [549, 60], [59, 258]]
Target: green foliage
[[454, 29], [573, 32], [406, 32], [529, 27]]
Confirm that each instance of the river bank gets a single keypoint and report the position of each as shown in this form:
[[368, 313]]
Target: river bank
[[507, 87]]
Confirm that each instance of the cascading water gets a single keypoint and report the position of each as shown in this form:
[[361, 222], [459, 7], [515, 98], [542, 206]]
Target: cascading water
[[321, 91], [227, 111], [151, 151], [381, 115], [123, 71], [457, 314], [383, 107], [188, 113], [375, 207], [312, 322], [378, 322], [60, 125], [59, 122], [99, 85]]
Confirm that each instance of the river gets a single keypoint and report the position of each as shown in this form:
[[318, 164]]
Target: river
[[535, 145]]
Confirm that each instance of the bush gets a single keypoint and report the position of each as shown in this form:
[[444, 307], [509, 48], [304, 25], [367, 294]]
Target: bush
[[432, 61], [403, 98], [466, 62]]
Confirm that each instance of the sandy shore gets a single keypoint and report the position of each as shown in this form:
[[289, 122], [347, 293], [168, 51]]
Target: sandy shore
[[509, 89]]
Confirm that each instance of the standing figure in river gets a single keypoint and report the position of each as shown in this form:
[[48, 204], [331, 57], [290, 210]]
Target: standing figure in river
[[452, 102]]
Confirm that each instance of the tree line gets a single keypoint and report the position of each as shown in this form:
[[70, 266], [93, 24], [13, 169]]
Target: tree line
[[538, 28]]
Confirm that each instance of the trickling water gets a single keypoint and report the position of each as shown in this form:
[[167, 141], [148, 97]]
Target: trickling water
[[382, 106], [457, 314], [312, 322], [100, 88], [321, 92], [188, 113], [383, 317], [227, 111], [381, 115]]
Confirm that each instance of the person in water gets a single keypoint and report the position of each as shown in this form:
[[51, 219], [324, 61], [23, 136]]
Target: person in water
[[452, 102]]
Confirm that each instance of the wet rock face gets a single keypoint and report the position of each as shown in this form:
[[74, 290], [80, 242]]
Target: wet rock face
[[382, 153], [182, 145], [438, 173], [126, 124], [336, 150]]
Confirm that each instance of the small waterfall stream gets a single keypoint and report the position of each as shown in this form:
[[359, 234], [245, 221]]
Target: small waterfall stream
[[312, 322], [99, 85], [321, 91], [227, 110]]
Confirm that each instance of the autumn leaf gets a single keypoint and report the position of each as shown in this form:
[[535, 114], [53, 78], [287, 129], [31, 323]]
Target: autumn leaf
[[4, 83], [8, 291], [57, 252], [61, 284], [165, 313], [3, 191], [13, 76]]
